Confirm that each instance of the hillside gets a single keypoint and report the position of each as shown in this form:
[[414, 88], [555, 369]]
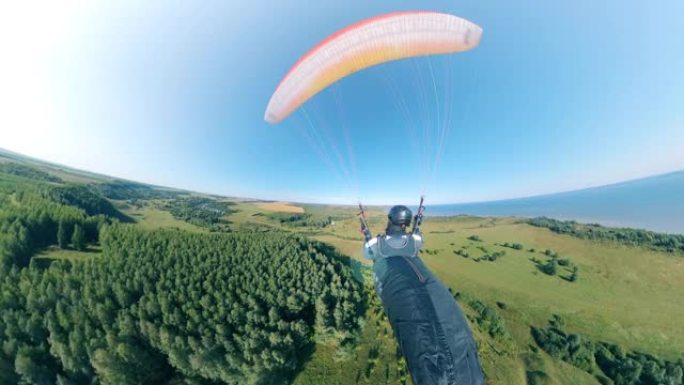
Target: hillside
[[199, 289]]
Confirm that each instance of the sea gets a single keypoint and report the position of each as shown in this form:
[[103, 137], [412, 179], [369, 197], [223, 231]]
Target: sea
[[653, 203]]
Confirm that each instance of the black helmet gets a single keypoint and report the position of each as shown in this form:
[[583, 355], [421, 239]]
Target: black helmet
[[400, 215]]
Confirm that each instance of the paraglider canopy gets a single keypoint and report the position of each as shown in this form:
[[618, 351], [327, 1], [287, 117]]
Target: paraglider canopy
[[367, 43]]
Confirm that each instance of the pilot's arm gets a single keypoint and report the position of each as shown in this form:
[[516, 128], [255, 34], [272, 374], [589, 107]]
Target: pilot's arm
[[418, 239], [370, 249]]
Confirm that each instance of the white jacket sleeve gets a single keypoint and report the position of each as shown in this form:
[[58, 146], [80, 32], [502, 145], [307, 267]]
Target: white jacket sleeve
[[369, 249], [418, 239]]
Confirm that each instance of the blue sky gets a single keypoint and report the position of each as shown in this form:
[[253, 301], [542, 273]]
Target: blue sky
[[559, 96]]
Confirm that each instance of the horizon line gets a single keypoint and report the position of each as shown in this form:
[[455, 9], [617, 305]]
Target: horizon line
[[237, 196]]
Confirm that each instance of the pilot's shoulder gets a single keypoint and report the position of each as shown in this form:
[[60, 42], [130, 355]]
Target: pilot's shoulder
[[371, 242]]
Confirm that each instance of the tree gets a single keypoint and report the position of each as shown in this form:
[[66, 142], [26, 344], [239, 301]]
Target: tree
[[550, 267], [62, 235], [78, 239]]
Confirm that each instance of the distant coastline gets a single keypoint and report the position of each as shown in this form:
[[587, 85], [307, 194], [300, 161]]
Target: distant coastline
[[653, 203]]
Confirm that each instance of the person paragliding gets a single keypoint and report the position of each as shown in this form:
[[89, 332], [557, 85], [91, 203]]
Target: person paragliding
[[432, 332]]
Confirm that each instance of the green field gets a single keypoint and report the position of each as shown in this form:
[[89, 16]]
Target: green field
[[613, 300]]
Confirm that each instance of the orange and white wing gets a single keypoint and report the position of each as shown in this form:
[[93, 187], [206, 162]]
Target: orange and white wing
[[367, 43]]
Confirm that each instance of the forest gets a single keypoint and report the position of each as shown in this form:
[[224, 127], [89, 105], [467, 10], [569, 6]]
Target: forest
[[84, 198], [159, 306], [32, 217]]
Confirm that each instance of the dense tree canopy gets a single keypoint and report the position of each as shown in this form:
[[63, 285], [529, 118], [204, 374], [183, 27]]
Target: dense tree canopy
[[230, 308], [30, 219], [84, 198], [159, 307]]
